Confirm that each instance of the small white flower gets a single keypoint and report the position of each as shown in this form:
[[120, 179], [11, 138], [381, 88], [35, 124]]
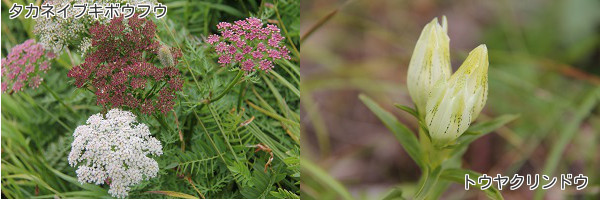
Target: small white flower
[[114, 147]]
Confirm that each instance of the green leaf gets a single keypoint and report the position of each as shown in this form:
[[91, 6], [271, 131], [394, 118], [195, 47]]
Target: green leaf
[[431, 178], [172, 165], [407, 109], [284, 194], [286, 83], [458, 175], [241, 173], [394, 194], [491, 125], [309, 169], [85, 186], [262, 184], [480, 129], [406, 137]]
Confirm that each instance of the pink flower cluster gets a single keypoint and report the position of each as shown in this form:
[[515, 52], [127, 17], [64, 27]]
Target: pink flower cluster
[[249, 44], [120, 67], [22, 66]]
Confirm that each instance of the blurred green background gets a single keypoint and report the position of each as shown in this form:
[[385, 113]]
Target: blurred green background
[[544, 65]]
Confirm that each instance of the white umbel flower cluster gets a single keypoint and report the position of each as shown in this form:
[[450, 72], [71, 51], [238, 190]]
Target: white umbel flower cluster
[[114, 149], [58, 33]]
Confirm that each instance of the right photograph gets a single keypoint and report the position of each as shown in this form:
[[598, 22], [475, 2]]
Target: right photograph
[[463, 99]]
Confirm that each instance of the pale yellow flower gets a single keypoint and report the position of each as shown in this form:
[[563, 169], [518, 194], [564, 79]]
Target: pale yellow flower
[[453, 105], [430, 62]]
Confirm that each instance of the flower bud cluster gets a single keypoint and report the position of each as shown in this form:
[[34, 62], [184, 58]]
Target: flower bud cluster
[[114, 149], [248, 44], [23, 66], [121, 70], [446, 103]]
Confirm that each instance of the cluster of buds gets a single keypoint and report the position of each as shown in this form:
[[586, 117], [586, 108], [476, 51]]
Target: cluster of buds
[[248, 44], [447, 103], [119, 67], [23, 66]]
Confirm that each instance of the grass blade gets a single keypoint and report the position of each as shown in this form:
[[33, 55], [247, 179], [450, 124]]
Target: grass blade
[[310, 169], [567, 134], [404, 135]]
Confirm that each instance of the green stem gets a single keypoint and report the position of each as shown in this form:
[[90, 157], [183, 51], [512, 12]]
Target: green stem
[[207, 134], [231, 84], [217, 120], [241, 96], [422, 180], [434, 157], [154, 92], [183, 57], [431, 176]]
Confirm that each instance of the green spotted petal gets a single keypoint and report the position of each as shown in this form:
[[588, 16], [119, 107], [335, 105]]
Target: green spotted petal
[[453, 105], [430, 62]]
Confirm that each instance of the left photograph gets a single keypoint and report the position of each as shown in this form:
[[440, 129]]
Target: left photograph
[[150, 99]]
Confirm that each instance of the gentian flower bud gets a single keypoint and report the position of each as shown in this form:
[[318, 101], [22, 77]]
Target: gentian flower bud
[[453, 105], [430, 63]]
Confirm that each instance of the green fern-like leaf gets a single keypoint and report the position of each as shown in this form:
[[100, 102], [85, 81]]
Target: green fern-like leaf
[[241, 173], [284, 194]]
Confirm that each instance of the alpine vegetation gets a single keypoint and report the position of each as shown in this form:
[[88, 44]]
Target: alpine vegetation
[[23, 66], [114, 150], [167, 118], [248, 44], [445, 106]]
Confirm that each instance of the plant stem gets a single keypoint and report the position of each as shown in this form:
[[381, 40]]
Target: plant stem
[[318, 25], [229, 86], [241, 96], [180, 133], [183, 57], [434, 158], [431, 178]]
